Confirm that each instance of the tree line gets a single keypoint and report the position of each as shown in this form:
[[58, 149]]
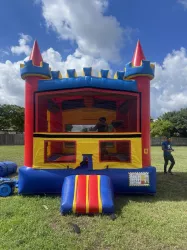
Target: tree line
[[11, 118], [172, 123]]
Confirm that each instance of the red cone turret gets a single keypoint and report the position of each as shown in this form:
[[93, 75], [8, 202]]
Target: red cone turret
[[138, 55], [35, 55]]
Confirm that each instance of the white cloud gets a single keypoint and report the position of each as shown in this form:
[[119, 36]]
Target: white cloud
[[77, 61], [11, 85], [84, 22], [169, 88], [23, 48], [183, 2]]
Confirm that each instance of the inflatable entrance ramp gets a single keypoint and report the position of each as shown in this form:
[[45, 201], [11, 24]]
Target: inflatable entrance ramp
[[87, 194]]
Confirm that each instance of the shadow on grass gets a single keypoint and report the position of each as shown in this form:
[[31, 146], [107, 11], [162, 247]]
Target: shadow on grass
[[169, 188]]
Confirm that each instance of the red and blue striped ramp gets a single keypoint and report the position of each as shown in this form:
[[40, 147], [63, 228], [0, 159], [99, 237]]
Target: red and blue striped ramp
[[87, 194]]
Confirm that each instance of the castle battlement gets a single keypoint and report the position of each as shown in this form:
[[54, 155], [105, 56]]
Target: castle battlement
[[145, 69], [36, 67], [29, 69]]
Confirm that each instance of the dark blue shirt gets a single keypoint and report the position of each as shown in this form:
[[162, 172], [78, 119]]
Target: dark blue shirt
[[166, 146]]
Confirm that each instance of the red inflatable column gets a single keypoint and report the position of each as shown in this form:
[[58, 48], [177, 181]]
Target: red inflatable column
[[143, 84], [31, 85]]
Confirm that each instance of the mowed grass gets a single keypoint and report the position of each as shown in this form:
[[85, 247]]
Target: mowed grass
[[143, 222]]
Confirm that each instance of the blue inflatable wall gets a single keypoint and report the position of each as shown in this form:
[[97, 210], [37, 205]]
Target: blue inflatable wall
[[124, 181]]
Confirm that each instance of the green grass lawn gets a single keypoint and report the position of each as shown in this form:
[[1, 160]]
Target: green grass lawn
[[147, 222]]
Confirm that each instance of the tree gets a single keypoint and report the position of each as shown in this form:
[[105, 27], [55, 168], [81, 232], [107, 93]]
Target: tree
[[11, 117], [4, 118], [178, 120], [161, 127]]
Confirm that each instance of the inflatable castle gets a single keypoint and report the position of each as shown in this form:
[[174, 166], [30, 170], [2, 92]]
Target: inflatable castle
[[65, 150]]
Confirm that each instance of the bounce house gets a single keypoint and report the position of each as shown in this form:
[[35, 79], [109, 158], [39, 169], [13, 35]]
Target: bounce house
[[87, 137]]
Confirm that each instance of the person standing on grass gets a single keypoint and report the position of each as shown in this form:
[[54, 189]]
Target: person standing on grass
[[167, 149]]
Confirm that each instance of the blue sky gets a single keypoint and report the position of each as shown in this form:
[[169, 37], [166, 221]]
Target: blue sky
[[160, 25]]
